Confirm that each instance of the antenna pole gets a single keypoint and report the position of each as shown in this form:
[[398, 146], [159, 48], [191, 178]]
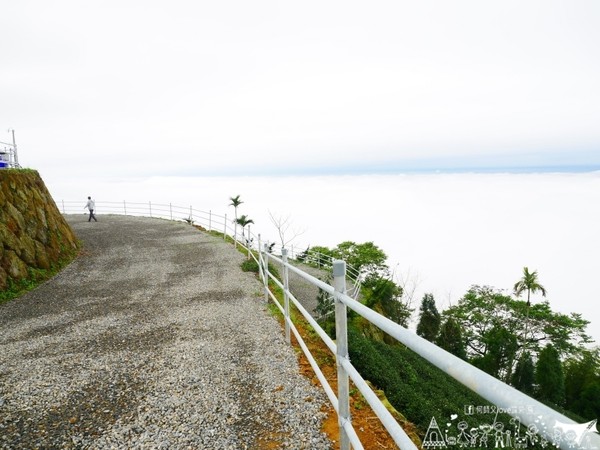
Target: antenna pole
[[16, 158]]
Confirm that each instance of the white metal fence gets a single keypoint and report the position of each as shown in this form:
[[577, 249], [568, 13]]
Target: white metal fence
[[526, 410]]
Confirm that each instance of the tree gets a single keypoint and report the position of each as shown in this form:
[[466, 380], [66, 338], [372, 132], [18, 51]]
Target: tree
[[499, 352], [366, 258], [235, 202], [528, 283], [550, 377], [385, 297], [479, 311], [523, 377], [450, 338], [582, 384], [242, 221], [483, 308], [429, 319], [283, 227], [319, 256], [589, 404]]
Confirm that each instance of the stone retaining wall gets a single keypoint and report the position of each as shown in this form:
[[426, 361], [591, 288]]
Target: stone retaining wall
[[33, 232]]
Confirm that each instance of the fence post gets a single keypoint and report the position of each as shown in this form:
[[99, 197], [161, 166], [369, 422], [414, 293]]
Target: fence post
[[209, 220], [286, 297], [171, 210], [341, 333], [266, 271], [125, 207], [248, 244], [63, 204], [150, 206], [260, 268], [225, 227], [191, 216]]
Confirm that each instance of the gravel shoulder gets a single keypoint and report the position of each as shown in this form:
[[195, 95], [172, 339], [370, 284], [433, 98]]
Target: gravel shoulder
[[305, 292], [153, 338]]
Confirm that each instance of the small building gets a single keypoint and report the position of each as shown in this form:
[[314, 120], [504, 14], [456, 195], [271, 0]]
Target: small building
[[8, 154], [4, 159]]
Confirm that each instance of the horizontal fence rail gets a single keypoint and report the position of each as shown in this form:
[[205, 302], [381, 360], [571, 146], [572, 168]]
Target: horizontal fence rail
[[523, 408]]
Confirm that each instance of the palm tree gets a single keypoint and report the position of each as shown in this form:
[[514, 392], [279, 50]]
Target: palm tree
[[528, 283], [235, 202], [243, 221]]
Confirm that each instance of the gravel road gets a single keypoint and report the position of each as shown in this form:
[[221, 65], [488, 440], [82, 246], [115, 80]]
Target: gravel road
[[152, 339]]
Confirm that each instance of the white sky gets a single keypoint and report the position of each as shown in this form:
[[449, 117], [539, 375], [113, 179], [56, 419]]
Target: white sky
[[197, 87]]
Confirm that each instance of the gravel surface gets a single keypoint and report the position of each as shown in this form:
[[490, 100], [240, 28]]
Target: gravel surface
[[305, 292], [152, 339]]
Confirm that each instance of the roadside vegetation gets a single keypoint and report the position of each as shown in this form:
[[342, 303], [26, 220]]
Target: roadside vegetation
[[35, 277], [543, 353]]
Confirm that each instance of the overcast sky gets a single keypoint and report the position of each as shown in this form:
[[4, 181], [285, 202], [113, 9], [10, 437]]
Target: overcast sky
[[197, 87]]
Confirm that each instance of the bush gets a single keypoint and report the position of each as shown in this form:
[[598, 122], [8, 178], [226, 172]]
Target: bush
[[415, 387], [250, 265]]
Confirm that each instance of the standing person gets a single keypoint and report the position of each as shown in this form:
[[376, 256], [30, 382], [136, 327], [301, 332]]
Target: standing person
[[91, 205]]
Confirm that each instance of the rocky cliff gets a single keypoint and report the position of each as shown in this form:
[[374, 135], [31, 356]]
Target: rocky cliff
[[34, 237]]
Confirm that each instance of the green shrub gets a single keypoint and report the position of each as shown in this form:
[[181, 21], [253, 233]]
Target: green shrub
[[250, 265], [415, 387]]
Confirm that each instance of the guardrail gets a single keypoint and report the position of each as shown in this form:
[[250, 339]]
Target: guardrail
[[526, 410]]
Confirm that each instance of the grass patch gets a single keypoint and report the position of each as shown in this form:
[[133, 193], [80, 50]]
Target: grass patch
[[250, 266], [35, 277]]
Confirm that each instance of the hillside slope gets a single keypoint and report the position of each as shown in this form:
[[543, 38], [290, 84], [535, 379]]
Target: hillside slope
[[33, 233]]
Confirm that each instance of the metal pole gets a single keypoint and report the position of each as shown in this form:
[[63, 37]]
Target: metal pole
[[125, 207], [171, 210], [63, 205], [150, 205], [286, 296], [209, 220], [225, 227], [248, 242], [260, 269], [266, 271], [341, 332], [235, 234], [15, 149]]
